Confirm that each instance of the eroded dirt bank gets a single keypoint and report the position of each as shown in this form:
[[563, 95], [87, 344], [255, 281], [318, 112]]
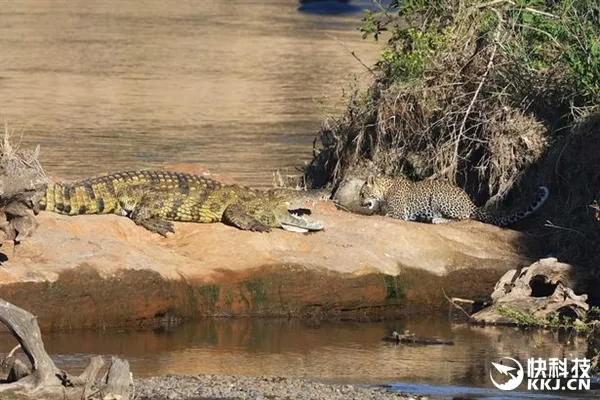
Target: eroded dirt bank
[[104, 270]]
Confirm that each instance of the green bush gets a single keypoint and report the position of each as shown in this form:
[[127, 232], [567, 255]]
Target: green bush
[[548, 49]]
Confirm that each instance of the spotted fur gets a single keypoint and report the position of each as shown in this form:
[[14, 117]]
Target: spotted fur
[[434, 201]]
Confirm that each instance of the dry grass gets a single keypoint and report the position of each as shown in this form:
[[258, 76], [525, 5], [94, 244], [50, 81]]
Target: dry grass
[[22, 184], [20, 170], [455, 123]]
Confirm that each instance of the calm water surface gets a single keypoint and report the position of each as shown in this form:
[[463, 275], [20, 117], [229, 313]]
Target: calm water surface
[[340, 352], [239, 87]]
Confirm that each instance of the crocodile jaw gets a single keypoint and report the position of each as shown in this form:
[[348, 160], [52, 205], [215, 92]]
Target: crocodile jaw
[[293, 223]]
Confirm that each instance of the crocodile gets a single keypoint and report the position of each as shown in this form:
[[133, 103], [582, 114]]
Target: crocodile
[[153, 198]]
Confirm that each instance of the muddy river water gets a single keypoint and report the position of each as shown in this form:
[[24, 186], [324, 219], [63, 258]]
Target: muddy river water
[[333, 351], [238, 87]]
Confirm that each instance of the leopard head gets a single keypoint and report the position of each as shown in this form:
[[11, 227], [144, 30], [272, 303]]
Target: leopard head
[[372, 193]]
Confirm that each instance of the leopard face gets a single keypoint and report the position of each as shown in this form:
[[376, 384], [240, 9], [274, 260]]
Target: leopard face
[[372, 194]]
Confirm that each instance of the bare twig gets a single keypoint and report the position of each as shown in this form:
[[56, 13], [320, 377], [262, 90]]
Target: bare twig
[[549, 224], [451, 301], [351, 53], [13, 351], [468, 111], [512, 3]]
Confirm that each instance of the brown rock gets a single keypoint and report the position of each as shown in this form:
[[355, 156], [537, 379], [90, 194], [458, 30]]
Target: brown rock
[[105, 270]]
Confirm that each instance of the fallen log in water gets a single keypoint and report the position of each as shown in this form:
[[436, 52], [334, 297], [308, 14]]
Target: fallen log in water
[[411, 338], [43, 379]]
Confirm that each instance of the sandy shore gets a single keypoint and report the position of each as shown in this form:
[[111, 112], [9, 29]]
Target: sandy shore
[[242, 387]]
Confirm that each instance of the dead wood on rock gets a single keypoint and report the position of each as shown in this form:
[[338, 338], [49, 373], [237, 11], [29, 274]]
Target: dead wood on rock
[[546, 291], [22, 184], [118, 380], [43, 379]]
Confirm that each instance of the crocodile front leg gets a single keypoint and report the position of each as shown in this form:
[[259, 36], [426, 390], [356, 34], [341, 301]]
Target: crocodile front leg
[[236, 216], [153, 224], [146, 215]]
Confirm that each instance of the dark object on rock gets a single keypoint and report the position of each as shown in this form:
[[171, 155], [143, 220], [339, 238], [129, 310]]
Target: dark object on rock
[[17, 221], [535, 294], [410, 338], [347, 197], [329, 7]]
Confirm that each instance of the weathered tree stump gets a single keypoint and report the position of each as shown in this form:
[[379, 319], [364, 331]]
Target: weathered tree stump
[[44, 379], [23, 325], [118, 381], [542, 291], [17, 368]]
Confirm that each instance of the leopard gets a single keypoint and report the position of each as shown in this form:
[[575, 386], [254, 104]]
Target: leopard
[[435, 201]]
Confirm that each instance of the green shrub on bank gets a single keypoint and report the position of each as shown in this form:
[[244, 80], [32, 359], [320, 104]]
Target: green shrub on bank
[[454, 72], [557, 47]]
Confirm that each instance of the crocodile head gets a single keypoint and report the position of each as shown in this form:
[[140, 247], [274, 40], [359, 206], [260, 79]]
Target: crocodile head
[[275, 214]]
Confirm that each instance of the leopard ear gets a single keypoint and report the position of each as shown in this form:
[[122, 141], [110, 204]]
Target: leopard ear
[[370, 180]]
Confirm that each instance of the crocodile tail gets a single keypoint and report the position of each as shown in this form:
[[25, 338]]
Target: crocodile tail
[[57, 199], [508, 219], [76, 199], [47, 200]]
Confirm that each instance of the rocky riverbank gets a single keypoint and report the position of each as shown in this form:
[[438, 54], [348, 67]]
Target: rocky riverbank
[[103, 270]]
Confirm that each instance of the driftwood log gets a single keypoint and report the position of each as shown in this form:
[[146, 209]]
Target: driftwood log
[[410, 338], [43, 379]]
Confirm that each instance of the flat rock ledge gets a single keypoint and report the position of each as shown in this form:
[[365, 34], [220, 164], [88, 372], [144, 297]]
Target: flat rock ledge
[[241, 387], [103, 270]]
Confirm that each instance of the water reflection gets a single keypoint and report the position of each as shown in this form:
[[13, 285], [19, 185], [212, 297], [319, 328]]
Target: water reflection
[[345, 351]]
